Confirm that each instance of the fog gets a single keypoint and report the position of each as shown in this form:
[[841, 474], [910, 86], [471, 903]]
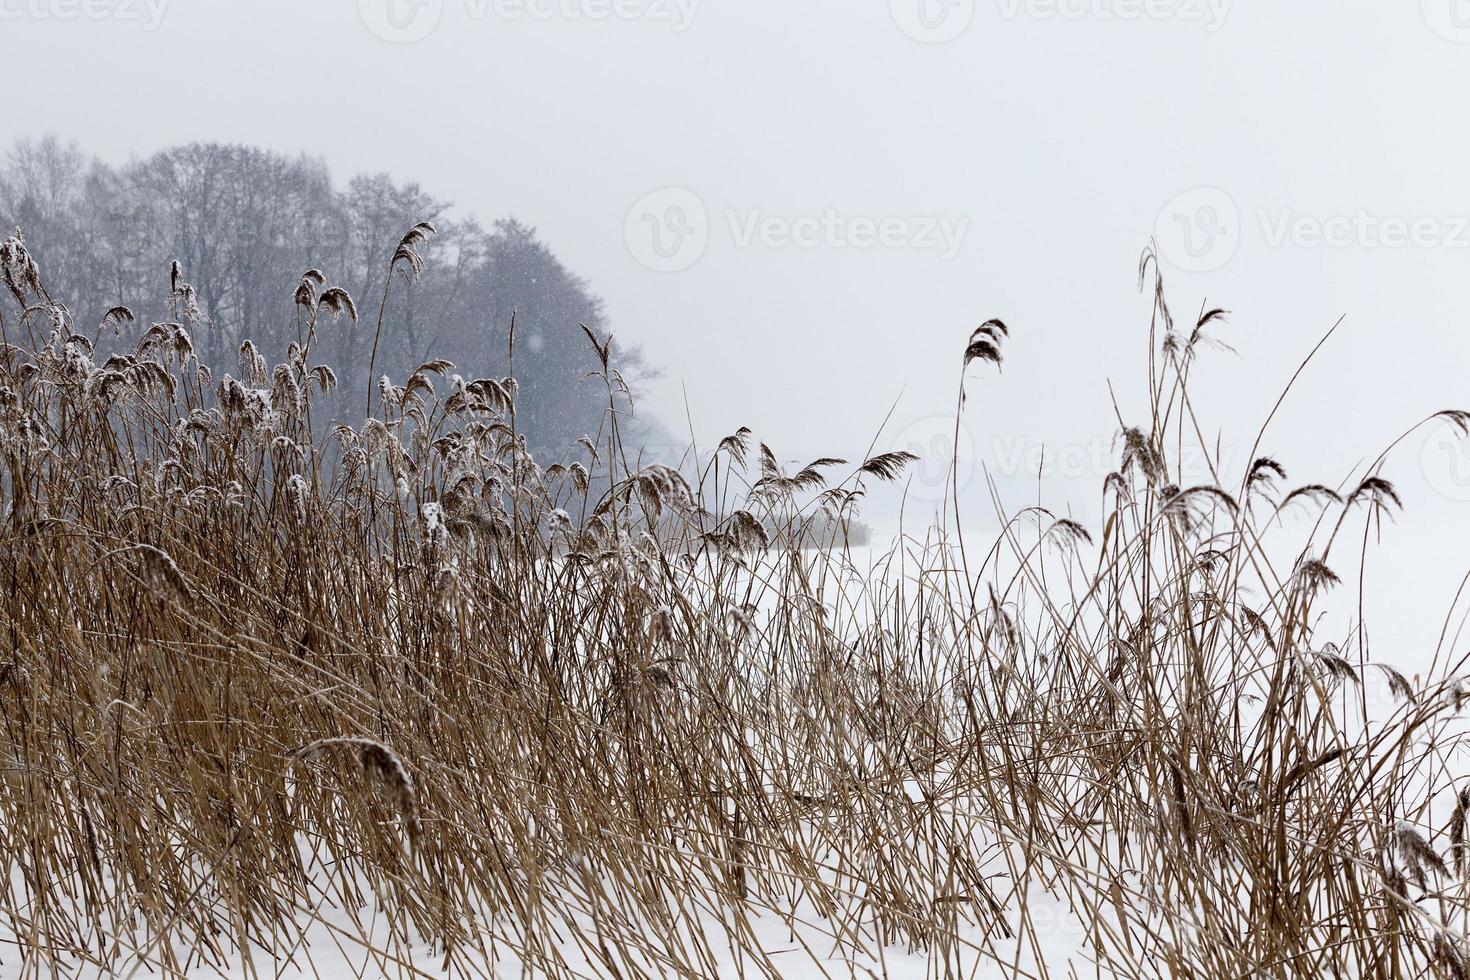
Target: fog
[[799, 211], [1016, 528]]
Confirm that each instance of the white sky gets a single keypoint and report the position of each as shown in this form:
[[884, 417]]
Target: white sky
[[1059, 131]]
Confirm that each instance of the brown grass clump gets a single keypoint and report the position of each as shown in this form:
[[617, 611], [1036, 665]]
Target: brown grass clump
[[378, 762], [275, 681]]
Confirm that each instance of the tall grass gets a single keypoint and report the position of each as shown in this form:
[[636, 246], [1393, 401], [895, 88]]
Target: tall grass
[[398, 684]]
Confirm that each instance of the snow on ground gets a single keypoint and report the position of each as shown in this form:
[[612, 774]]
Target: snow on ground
[[339, 945]]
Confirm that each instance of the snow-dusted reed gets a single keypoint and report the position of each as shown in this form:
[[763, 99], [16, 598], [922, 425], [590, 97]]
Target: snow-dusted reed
[[285, 694]]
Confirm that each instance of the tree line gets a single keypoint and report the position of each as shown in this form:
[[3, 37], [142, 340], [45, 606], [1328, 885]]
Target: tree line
[[245, 223]]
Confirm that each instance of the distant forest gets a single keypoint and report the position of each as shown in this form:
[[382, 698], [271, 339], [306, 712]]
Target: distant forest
[[245, 223]]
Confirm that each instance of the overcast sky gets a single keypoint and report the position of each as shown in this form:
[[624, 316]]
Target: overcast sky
[[801, 209]]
